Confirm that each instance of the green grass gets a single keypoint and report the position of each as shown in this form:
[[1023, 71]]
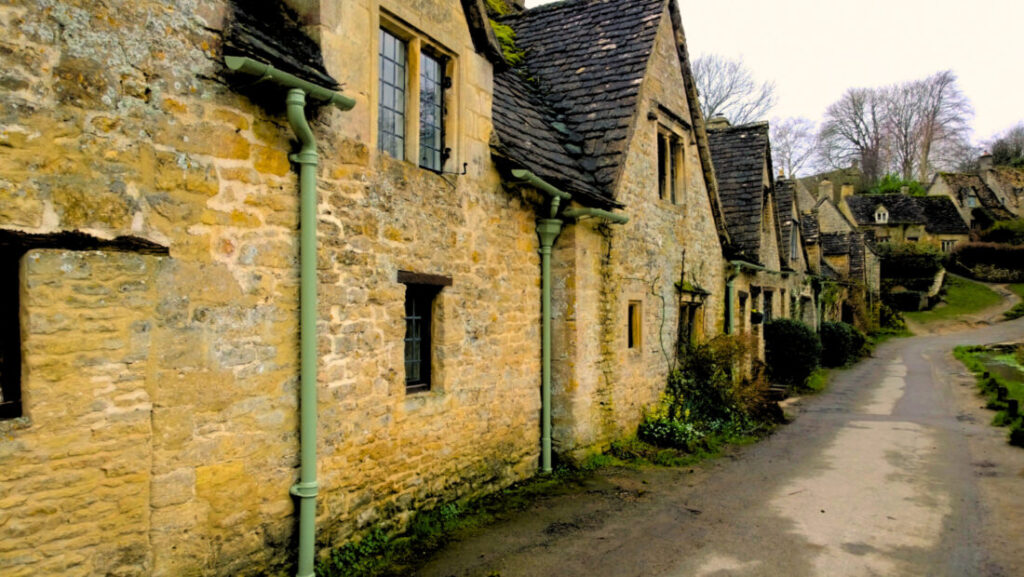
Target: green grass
[[975, 358], [1018, 289], [963, 297], [818, 380]]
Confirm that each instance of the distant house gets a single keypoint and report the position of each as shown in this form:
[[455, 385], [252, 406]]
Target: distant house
[[904, 218], [847, 268], [795, 261], [982, 198], [603, 108], [743, 165]]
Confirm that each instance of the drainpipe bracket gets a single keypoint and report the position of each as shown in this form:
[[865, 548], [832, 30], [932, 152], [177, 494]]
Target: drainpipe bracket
[[304, 158], [305, 490], [548, 230]]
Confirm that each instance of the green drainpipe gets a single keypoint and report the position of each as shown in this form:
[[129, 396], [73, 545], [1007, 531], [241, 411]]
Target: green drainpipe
[[307, 487], [548, 230]]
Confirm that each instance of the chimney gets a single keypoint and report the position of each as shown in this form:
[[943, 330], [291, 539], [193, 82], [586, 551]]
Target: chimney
[[825, 190], [718, 121], [985, 162], [845, 191], [905, 190]]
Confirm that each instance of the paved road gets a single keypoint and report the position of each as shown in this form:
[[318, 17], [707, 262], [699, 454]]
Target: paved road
[[893, 471]]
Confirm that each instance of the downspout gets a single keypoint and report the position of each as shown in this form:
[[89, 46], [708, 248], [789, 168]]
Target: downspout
[[548, 230], [307, 487]]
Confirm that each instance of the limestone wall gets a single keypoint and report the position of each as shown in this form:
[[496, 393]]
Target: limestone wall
[[601, 385], [160, 393]]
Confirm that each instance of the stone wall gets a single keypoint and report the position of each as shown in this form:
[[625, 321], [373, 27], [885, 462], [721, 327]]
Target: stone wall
[[160, 393], [601, 385]]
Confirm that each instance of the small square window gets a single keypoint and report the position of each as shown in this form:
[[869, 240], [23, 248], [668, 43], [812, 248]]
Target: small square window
[[633, 330]]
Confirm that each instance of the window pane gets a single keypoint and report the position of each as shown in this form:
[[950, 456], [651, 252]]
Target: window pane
[[431, 112], [391, 108]]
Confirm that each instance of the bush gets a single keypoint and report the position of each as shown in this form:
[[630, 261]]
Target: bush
[[906, 300], [792, 351], [841, 344], [990, 261], [1005, 231], [910, 260]]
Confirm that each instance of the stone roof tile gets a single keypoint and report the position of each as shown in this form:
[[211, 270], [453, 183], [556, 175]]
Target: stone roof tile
[[585, 61], [739, 154]]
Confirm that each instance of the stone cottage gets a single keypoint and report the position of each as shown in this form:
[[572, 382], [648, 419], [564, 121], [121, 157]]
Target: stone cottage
[[904, 218], [601, 118], [153, 201], [846, 267], [757, 291], [992, 194], [796, 263]]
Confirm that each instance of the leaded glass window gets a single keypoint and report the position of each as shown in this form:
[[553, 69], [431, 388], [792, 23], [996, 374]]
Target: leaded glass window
[[431, 112], [391, 111]]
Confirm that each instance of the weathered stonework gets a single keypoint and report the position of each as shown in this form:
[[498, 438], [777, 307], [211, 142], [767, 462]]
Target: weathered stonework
[[161, 393], [601, 385]]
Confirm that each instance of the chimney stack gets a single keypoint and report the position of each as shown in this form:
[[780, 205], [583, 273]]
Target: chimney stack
[[985, 162], [845, 191], [718, 121], [825, 190]]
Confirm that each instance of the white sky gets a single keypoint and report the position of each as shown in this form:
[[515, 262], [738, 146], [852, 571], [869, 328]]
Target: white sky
[[815, 49]]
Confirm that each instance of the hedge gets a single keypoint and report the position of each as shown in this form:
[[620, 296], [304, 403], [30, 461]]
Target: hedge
[[792, 351]]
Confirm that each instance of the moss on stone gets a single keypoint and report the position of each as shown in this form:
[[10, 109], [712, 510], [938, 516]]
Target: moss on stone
[[507, 38]]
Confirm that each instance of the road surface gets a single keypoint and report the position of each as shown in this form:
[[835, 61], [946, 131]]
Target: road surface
[[893, 471]]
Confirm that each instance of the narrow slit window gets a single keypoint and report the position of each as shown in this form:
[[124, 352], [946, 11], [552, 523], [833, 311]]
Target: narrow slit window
[[662, 164], [10, 337], [391, 110], [633, 330]]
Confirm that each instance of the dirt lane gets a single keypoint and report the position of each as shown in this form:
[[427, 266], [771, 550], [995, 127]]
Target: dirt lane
[[893, 471]]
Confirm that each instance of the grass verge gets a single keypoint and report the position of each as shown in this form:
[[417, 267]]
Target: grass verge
[[963, 297], [974, 358]]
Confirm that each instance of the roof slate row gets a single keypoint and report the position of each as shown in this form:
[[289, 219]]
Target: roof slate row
[[938, 214], [574, 98], [739, 154]]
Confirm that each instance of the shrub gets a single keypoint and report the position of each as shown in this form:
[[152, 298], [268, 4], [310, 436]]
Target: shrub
[[1005, 231], [990, 261], [909, 260], [906, 300], [792, 351], [1014, 313], [841, 344]]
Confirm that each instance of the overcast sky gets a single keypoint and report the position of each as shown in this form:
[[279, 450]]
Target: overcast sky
[[815, 49]]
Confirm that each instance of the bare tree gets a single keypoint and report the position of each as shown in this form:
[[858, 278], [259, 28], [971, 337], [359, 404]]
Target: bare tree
[[903, 123], [854, 131], [727, 87], [794, 143], [945, 114]]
